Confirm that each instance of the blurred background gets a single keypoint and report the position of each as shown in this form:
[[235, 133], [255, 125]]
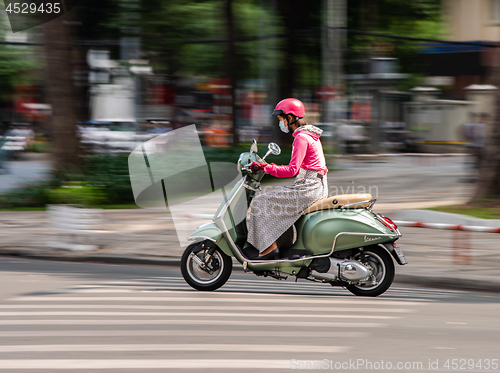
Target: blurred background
[[389, 76], [406, 92]]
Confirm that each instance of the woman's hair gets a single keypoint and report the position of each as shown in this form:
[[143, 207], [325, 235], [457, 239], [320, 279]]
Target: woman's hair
[[300, 121]]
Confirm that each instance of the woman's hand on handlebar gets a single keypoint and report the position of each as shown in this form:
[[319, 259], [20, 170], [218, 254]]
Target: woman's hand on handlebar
[[257, 166]]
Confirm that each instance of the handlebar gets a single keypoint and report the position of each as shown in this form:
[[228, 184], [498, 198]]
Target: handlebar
[[255, 168], [246, 168], [251, 169]]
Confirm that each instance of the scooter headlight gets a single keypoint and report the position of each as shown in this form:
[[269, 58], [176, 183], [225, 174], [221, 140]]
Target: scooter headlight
[[242, 161]]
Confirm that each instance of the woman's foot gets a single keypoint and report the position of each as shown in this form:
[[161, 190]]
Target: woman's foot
[[271, 255], [270, 249]]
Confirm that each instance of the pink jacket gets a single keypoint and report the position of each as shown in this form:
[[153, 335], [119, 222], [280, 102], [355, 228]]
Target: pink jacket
[[307, 153]]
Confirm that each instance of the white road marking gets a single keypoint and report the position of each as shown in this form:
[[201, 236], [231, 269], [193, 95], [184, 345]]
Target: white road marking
[[256, 287], [173, 303], [195, 314], [103, 290], [57, 364], [207, 308], [221, 297], [176, 333], [291, 323], [173, 347]]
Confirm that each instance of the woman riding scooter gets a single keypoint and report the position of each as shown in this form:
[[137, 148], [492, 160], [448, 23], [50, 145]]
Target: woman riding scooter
[[275, 212]]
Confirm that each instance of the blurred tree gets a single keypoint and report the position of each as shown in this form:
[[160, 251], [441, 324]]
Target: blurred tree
[[417, 18], [201, 39], [232, 64], [17, 63], [195, 32], [58, 43], [99, 20], [16, 67], [302, 48], [487, 191], [175, 24]]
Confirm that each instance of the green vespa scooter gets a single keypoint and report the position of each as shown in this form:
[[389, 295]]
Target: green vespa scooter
[[338, 240]]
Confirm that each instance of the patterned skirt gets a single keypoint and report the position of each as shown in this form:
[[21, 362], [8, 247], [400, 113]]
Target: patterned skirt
[[274, 212]]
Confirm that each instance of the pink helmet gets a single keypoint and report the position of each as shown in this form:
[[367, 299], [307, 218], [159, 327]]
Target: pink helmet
[[290, 106]]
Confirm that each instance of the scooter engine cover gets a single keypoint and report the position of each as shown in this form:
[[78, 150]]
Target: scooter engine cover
[[352, 270], [321, 265]]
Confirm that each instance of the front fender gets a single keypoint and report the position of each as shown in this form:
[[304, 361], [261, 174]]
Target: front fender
[[211, 232]]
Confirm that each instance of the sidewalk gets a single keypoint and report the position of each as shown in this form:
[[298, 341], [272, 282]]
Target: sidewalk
[[142, 237]]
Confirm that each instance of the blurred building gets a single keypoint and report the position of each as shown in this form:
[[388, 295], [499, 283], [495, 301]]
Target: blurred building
[[459, 65]]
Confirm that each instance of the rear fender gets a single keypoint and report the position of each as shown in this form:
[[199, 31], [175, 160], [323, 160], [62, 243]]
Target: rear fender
[[390, 248]]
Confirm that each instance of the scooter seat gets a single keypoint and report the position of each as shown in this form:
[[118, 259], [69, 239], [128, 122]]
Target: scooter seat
[[339, 201]]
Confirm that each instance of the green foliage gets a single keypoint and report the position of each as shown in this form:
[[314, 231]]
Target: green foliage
[[16, 62], [475, 211], [98, 19], [176, 22], [110, 172], [29, 195], [168, 27], [254, 57], [104, 180], [416, 19], [231, 154], [77, 193], [38, 147]]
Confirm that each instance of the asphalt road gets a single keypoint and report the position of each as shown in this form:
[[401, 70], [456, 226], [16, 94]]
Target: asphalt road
[[85, 317]]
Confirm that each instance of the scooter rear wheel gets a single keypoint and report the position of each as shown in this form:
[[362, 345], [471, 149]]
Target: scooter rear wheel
[[383, 272], [221, 267]]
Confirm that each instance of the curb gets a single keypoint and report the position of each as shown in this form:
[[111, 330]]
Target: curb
[[448, 282], [456, 283], [108, 259]]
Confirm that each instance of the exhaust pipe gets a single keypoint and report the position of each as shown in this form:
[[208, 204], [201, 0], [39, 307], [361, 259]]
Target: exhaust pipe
[[331, 274], [346, 270]]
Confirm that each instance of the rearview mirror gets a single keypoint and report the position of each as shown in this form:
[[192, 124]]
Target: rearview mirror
[[253, 147], [274, 148]]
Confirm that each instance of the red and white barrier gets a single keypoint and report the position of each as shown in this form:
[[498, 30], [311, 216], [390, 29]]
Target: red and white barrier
[[453, 227], [403, 155], [461, 239]]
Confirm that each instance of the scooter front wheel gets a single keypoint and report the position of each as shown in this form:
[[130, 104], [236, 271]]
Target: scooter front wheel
[[382, 266], [205, 275]]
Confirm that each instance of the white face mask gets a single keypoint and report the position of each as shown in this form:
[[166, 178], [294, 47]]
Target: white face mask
[[283, 127]]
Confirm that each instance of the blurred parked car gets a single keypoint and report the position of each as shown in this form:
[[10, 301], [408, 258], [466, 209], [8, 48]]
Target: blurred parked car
[[15, 140], [352, 137], [111, 137], [329, 129]]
